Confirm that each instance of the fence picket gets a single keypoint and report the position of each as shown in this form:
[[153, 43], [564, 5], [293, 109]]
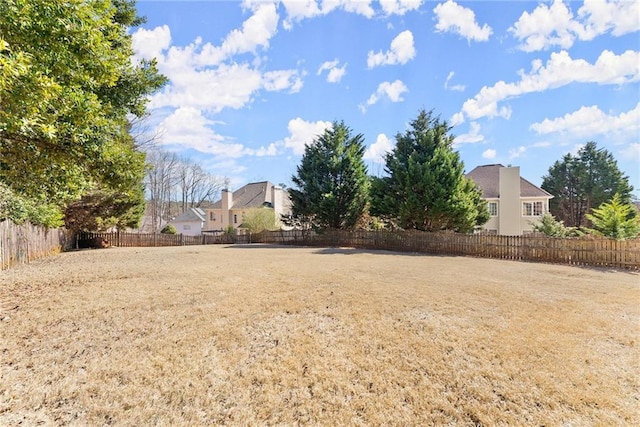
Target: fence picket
[[24, 243]]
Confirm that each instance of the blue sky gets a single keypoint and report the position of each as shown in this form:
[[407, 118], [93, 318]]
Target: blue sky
[[523, 83]]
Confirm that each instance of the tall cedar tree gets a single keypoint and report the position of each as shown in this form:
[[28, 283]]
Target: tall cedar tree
[[425, 187], [67, 90], [582, 182], [332, 184]]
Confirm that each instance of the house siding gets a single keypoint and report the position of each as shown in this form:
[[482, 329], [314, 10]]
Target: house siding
[[505, 186], [230, 209]]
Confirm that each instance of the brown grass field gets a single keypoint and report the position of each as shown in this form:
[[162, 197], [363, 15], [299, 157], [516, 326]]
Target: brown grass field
[[262, 335]]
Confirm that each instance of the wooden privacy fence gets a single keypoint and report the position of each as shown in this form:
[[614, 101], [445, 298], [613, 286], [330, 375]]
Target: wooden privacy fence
[[590, 251], [20, 244], [24, 243], [122, 239]]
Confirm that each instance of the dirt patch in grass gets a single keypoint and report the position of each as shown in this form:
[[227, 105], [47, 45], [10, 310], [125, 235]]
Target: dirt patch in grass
[[248, 335]]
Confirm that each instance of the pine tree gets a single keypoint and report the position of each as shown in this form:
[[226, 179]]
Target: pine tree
[[332, 184], [425, 187], [582, 182]]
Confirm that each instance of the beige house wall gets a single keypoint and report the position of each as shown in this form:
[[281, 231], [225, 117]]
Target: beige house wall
[[511, 219], [214, 219], [227, 216], [527, 222], [509, 206], [493, 224]]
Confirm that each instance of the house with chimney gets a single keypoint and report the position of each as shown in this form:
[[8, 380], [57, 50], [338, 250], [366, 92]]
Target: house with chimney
[[228, 211], [514, 203]]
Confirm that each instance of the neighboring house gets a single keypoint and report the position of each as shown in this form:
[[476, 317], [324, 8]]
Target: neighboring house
[[191, 222], [514, 203], [227, 212]]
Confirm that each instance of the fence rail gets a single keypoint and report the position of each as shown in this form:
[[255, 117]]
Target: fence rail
[[21, 244], [122, 239], [589, 251]]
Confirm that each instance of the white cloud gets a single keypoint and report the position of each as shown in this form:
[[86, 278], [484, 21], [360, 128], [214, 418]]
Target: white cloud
[[472, 136], [457, 119], [378, 149], [148, 44], [489, 154], [402, 51], [297, 10], [188, 127], [459, 20], [281, 80], [256, 32], [514, 153], [620, 17], [270, 150], [335, 73], [556, 25], [392, 91], [591, 120], [360, 7], [559, 71], [631, 151], [457, 88], [228, 86], [546, 26], [199, 79], [399, 7], [302, 132]]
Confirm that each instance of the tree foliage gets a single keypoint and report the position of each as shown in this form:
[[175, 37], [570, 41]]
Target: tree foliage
[[67, 90], [332, 184], [169, 229], [550, 226], [425, 187], [101, 210], [259, 219], [582, 182], [19, 209], [616, 219]]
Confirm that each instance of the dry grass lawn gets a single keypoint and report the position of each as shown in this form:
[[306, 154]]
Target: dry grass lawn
[[260, 335]]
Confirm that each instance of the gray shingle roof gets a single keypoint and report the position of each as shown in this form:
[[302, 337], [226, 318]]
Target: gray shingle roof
[[488, 179], [192, 214], [252, 195]]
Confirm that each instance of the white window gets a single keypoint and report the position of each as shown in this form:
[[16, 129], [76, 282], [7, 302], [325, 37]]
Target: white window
[[212, 216], [532, 209], [186, 227], [493, 208]]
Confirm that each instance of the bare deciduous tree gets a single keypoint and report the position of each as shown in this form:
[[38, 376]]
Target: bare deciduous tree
[[177, 182]]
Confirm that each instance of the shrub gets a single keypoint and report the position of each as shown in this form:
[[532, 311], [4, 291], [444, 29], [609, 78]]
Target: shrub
[[169, 229]]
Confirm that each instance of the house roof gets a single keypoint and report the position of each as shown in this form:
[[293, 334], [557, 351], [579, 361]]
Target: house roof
[[191, 214], [488, 179], [252, 195]]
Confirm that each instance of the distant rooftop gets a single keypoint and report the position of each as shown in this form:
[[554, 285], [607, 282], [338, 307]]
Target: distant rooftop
[[488, 179], [252, 195]]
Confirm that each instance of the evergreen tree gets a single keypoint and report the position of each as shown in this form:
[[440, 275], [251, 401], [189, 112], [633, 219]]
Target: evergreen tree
[[616, 219], [425, 187], [332, 184], [582, 182]]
